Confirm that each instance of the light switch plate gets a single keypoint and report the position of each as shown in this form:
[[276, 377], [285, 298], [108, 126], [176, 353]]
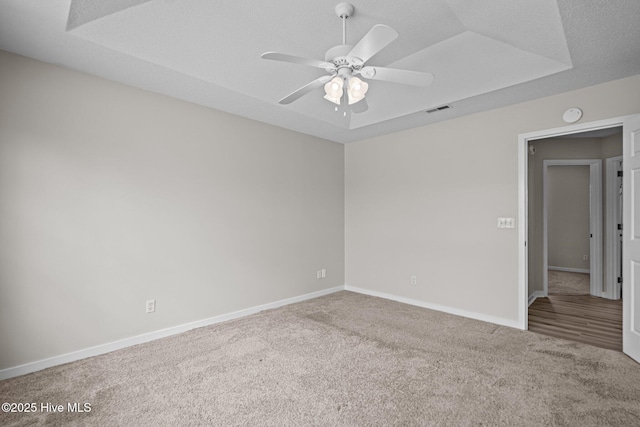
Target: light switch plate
[[506, 223]]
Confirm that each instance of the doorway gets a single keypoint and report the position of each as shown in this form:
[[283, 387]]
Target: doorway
[[631, 223], [565, 172], [572, 218], [566, 226]]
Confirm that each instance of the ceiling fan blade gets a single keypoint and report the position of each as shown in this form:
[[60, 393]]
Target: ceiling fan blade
[[373, 42], [275, 56], [407, 77], [305, 90]]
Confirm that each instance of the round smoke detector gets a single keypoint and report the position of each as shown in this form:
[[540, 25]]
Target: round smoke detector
[[572, 115]]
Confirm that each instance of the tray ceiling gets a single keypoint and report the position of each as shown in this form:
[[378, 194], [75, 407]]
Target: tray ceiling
[[483, 54]]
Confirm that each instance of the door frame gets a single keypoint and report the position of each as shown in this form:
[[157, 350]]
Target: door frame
[[523, 196], [613, 212], [595, 221], [631, 237]]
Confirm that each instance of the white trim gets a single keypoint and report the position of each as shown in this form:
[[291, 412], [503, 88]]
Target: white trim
[[569, 269], [445, 309], [611, 243], [523, 227], [595, 220], [534, 296], [28, 368], [523, 197]]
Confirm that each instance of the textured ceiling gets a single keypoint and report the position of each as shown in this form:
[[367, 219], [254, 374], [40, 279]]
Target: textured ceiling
[[483, 54]]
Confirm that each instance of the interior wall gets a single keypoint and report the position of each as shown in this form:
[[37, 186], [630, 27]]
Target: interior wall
[[568, 216], [612, 146], [110, 196], [425, 202], [561, 149]]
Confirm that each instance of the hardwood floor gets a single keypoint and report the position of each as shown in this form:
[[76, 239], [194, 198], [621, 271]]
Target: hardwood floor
[[582, 318]]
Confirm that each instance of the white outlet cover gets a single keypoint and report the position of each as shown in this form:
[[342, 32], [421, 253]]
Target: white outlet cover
[[151, 306]]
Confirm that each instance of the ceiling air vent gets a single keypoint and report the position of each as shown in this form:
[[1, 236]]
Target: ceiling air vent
[[440, 108]]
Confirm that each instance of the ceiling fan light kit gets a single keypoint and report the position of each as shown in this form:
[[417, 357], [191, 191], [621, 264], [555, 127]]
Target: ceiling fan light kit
[[345, 62], [333, 90], [357, 89]]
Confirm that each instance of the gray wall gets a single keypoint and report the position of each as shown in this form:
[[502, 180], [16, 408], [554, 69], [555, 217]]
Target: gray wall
[[568, 216], [111, 195], [425, 202]]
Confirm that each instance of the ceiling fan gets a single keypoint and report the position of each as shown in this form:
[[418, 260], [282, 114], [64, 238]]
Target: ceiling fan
[[345, 63]]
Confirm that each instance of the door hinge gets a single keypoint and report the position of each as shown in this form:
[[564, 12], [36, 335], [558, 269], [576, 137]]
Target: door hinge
[[619, 173], [619, 226], [619, 279]]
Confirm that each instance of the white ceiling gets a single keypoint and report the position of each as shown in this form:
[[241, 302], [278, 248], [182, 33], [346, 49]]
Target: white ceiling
[[483, 54]]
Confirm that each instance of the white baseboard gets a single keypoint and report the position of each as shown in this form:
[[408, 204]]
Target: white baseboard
[[534, 295], [28, 368], [570, 269], [458, 312]]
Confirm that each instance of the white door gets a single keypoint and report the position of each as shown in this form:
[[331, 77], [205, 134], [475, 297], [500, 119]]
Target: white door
[[631, 243]]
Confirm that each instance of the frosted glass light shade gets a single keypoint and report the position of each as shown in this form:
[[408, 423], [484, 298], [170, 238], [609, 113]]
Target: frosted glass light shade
[[333, 89], [356, 90]]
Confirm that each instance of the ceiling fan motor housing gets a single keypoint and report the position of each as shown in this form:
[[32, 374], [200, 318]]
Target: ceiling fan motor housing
[[337, 55]]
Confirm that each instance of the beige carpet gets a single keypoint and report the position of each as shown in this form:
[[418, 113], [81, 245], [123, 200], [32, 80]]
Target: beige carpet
[[342, 360], [567, 283]]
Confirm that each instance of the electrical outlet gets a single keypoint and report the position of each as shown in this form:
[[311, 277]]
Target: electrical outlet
[[324, 273], [585, 257], [414, 280], [151, 306], [319, 274]]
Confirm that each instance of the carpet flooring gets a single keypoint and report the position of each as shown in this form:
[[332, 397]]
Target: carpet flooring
[[568, 283], [344, 359]]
